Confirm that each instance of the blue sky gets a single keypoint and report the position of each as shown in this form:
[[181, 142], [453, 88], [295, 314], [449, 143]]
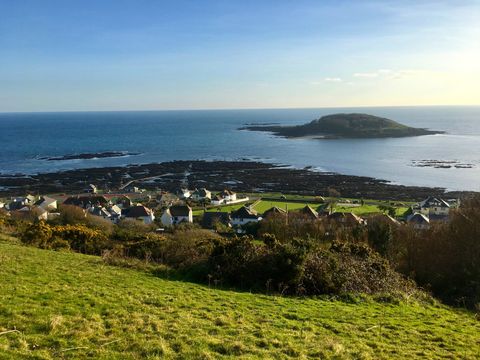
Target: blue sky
[[139, 54]]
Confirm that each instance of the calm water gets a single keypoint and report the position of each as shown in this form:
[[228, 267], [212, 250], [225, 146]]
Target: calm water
[[183, 135]]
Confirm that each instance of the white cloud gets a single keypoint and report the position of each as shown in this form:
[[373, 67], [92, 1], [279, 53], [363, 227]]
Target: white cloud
[[366, 75], [332, 79]]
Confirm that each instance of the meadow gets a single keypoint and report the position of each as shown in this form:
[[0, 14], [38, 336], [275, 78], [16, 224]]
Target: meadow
[[59, 305]]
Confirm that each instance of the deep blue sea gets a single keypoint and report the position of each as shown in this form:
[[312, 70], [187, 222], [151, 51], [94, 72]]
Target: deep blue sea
[[212, 134]]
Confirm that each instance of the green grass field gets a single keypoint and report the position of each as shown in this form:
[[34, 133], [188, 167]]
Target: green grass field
[[58, 305], [369, 207]]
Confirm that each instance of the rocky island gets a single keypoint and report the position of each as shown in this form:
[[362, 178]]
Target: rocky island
[[345, 126], [88, 156]]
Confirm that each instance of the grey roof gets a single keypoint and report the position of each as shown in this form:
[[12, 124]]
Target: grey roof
[[433, 201], [245, 213], [418, 218], [83, 201], [274, 210], [137, 211], [180, 210], [346, 217], [307, 210]]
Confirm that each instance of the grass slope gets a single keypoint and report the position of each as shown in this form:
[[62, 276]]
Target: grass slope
[[67, 305]]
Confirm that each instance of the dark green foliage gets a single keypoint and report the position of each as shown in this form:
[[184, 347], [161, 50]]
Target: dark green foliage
[[348, 126], [446, 258]]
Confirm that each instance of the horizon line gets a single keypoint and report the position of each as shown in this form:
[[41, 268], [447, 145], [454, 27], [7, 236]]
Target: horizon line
[[232, 109]]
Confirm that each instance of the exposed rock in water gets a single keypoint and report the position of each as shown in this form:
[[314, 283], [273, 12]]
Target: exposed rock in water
[[88, 156]]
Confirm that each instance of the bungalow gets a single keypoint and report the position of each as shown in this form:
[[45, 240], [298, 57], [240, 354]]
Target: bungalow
[[225, 197], [274, 211], [228, 195], [47, 203], [384, 219], [419, 221], [177, 214], [201, 194], [244, 215], [217, 200], [347, 218], [139, 212], [309, 212], [210, 219]]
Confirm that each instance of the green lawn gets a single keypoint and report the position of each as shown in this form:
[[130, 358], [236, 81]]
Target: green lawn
[[65, 305]]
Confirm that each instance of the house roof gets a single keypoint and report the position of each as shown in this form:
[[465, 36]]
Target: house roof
[[83, 201], [137, 211], [244, 213], [210, 218], [418, 218], [385, 219], [45, 201], [274, 210], [99, 211], [201, 192], [346, 217], [307, 210], [180, 210], [115, 210], [226, 193], [433, 201]]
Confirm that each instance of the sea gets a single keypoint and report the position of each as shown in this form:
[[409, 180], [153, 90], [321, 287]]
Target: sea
[[450, 160]]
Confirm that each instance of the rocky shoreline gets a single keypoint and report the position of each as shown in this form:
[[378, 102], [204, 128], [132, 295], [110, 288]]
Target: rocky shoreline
[[240, 176]]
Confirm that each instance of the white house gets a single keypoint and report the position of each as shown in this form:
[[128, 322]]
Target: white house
[[225, 197], [244, 215], [217, 200], [228, 195], [139, 212], [433, 206], [177, 214], [47, 203], [201, 194]]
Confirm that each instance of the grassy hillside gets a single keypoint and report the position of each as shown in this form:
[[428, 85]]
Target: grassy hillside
[[346, 126], [66, 305]]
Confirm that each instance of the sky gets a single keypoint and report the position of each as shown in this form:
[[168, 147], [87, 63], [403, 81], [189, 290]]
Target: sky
[[87, 55]]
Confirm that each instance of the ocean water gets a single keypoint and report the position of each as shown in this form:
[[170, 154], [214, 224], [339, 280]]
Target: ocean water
[[212, 135]]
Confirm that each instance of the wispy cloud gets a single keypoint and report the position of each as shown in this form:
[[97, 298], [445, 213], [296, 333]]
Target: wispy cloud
[[366, 75], [332, 79]]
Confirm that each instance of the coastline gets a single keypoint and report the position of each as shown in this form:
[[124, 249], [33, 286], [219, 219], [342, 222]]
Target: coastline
[[240, 176]]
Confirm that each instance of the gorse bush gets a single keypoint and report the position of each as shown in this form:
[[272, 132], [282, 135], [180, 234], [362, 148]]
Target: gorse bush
[[77, 237]]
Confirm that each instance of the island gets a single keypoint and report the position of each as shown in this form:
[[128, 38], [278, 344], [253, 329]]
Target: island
[[353, 125], [89, 156]]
